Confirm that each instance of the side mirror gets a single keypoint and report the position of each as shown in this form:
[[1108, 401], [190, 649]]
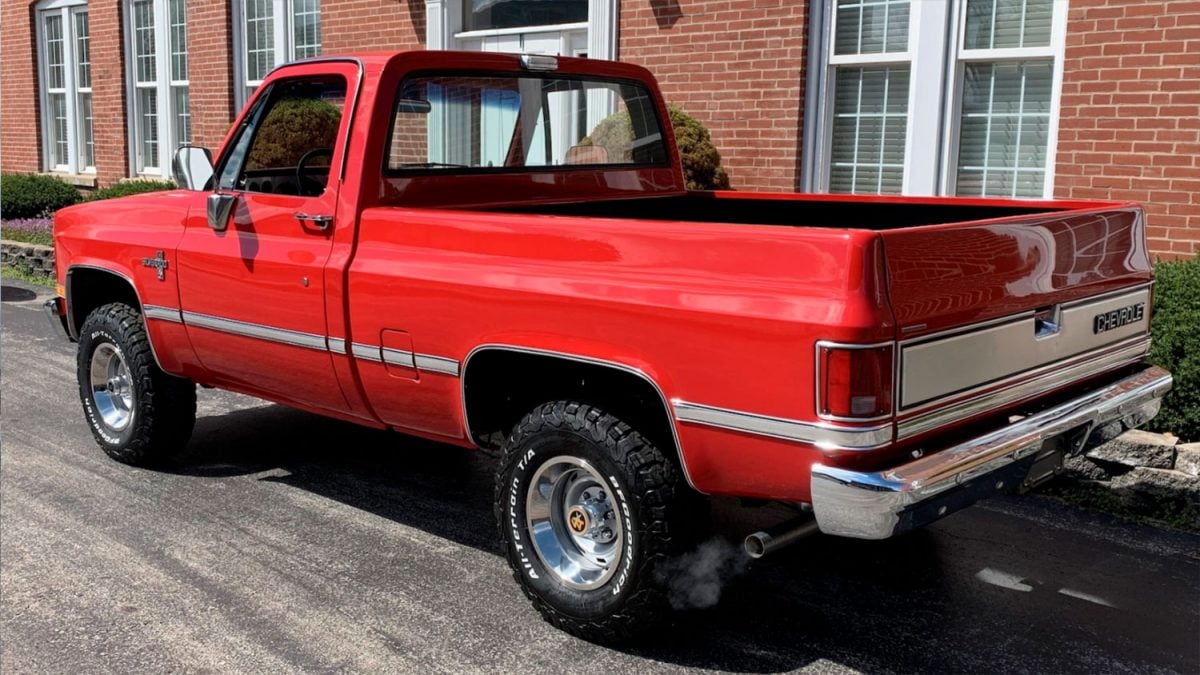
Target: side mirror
[[192, 167], [220, 208]]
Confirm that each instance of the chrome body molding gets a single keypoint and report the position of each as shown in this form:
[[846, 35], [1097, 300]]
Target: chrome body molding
[[366, 352], [254, 330], [162, 313], [615, 365], [1023, 385], [824, 436], [436, 364], [877, 505], [399, 357]]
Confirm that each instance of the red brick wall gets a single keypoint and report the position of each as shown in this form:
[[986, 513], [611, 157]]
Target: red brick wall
[[20, 141], [1130, 122], [20, 132], [210, 71], [359, 25], [108, 90], [738, 67]]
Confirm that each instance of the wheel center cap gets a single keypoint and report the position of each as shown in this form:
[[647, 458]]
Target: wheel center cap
[[577, 519]]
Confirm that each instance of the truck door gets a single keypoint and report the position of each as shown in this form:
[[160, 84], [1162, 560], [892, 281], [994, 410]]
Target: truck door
[[253, 294]]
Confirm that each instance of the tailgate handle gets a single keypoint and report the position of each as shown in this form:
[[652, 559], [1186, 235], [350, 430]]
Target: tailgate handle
[[1046, 323]]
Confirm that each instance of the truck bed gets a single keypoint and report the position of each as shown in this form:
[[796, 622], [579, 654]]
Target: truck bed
[[802, 210]]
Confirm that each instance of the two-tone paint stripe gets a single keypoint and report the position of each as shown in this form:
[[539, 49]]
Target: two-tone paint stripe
[[324, 343]]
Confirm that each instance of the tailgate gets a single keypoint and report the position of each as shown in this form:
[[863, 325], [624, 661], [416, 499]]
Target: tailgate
[[1011, 308]]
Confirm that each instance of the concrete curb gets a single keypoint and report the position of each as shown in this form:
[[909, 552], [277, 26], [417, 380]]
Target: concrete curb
[[34, 258]]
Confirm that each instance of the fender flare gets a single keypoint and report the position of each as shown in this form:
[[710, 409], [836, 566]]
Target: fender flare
[[589, 360]]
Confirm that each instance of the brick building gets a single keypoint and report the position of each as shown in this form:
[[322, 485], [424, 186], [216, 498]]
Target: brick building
[[1033, 98]]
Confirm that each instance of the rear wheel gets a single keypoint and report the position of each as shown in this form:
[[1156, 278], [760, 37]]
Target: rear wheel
[[585, 506], [137, 413]]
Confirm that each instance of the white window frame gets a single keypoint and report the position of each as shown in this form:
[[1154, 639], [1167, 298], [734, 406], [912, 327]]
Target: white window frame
[[1053, 52], [283, 41], [163, 86], [68, 10], [834, 61], [931, 141], [444, 22]]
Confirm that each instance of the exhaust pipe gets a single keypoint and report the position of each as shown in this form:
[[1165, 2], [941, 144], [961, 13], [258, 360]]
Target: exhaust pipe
[[768, 541]]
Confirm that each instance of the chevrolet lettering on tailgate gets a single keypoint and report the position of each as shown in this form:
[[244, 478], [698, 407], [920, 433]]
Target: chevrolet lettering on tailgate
[[1119, 317]]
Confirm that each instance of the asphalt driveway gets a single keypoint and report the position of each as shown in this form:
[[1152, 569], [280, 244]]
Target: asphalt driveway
[[288, 542]]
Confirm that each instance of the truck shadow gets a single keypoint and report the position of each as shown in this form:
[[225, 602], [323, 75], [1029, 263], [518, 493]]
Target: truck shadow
[[824, 601]]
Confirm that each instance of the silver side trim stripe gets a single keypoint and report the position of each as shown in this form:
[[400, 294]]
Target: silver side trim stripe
[[436, 364], [254, 330], [399, 357], [162, 313], [366, 352], [824, 436], [373, 353]]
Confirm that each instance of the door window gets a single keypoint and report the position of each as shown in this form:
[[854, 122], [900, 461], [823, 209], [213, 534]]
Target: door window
[[288, 146]]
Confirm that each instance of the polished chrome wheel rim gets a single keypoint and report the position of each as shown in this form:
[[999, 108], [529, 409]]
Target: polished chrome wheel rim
[[573, 523], [112, 387]]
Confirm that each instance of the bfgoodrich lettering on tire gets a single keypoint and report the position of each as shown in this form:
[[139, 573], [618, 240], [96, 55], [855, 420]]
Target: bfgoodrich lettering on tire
[[584, 506], [138, 414]]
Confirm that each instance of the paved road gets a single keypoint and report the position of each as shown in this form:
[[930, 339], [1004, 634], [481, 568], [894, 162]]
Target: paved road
[[292, 543]]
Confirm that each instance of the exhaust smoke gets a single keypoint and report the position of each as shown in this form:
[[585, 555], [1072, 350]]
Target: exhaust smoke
[[695, 579]]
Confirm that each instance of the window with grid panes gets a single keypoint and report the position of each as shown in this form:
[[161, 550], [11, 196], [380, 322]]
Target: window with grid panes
[[272, 32], [927, 97], [160, 118], [65, 86]]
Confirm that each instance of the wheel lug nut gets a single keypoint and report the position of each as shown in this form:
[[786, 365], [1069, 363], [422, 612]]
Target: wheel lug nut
[[608, 515]]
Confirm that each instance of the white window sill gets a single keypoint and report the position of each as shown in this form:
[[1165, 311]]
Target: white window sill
[[85, 180]]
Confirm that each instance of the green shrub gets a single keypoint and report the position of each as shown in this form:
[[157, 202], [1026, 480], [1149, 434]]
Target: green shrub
[[1176, 331], [293, 127], [130, 187], [701, 161], [26, 195]]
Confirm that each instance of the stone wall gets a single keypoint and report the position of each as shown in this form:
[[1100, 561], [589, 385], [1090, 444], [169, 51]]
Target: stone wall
[[33, 258], [1146, 474]]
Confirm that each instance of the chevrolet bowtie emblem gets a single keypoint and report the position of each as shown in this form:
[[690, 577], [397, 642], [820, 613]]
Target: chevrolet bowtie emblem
[[159, 263]]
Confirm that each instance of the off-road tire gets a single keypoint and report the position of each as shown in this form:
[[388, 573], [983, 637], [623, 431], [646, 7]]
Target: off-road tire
[[650, 494], [164, 406]]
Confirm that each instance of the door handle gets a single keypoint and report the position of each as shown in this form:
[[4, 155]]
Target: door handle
[[320, 222]]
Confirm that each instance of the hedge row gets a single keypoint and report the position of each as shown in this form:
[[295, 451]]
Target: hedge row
[[1176, 331], [26, 195], [29, 195]]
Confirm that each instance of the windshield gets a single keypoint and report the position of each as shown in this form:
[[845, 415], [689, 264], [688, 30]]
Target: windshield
[[498, 122]]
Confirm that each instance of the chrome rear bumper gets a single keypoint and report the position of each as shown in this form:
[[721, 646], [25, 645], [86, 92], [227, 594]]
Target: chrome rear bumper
[[882, 504]]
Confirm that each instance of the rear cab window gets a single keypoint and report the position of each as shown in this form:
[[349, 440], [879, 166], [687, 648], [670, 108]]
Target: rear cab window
[[495, 122]]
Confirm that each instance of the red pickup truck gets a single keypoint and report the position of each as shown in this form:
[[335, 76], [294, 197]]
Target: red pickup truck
[[499, 251]]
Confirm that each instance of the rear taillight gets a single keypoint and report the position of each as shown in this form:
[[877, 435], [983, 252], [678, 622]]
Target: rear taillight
[[855, 382]]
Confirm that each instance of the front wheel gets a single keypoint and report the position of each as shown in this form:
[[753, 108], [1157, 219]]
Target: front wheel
[[138, 414], [585, 506]]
